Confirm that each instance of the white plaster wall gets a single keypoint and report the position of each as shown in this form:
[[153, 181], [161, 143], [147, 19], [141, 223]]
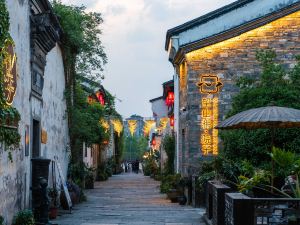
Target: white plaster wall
[[176, 120], [232, 19], [54, 111], [110, 148], [88, 158], [15, 176], [159, 107]]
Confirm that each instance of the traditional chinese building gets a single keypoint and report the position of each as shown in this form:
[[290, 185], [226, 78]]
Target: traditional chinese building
[[163, 113], [39, 98], [210, 53], [99, 153]]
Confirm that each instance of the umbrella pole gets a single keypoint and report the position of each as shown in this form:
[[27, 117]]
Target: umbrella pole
[[272, 175]]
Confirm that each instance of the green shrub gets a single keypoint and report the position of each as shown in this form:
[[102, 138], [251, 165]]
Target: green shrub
[[1, 220], [150, 167], [170, 181], [23, 218]]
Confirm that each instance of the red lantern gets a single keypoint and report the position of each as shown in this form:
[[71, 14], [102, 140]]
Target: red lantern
[[100, 98], [153, 142], [170, 98], [172, 121], [89, 99]]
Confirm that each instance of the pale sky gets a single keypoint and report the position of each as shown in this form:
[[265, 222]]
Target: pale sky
[[134, 34]]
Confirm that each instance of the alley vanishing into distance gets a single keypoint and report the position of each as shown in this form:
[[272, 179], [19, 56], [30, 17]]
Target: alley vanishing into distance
[[131, 199]]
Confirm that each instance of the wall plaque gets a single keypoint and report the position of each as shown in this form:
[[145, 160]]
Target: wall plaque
[[44, 137]]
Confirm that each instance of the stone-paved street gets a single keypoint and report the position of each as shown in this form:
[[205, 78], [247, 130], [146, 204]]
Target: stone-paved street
[[130, 199]]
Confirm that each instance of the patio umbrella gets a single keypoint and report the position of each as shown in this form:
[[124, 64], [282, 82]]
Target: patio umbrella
[[263, 117], [271, 117]]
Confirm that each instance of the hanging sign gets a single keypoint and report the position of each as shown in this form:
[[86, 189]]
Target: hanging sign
[[9, 72], [210, 86]]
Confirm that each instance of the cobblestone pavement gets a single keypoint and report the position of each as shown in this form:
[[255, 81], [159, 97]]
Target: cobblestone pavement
[[129, 199]]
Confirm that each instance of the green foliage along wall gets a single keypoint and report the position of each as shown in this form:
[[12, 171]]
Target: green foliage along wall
[[8, 136], [277, 86]]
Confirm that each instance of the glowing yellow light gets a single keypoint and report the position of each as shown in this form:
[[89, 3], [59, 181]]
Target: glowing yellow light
[[215, 123], [132, 124], [209, 84], [291, 21], [183, 74], [105, 124], [209, 136], [163, 122], [147, 126], [118, 126]]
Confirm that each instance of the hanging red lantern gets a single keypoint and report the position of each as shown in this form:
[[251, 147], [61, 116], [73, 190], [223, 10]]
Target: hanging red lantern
[[172, 121], [100, 98], [170, 98], [89, 99], [153, 142]]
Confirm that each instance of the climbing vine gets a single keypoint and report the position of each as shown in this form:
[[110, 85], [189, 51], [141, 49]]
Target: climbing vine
[[9, 116]]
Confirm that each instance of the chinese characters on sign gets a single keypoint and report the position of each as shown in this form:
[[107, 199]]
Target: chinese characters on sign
[[9, 72], [210, 86]]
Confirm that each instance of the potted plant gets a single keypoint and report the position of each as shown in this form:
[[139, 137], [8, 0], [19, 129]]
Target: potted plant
[[53, 195], [23, 218]]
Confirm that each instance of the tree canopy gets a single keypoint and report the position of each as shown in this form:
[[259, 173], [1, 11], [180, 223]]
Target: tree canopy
[[82, 38]]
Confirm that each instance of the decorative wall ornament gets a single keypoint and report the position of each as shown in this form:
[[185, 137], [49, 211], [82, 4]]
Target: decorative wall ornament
[[9, 72], [209, 84], [147, 126], [118, 126], [132, 124]]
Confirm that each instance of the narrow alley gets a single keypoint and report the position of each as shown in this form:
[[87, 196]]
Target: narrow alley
[[131, 199]]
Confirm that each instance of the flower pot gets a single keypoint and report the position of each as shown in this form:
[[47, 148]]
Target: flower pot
[[173, 195], [53, 211]]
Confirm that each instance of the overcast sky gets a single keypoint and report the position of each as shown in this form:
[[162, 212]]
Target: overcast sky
[[134, 36]]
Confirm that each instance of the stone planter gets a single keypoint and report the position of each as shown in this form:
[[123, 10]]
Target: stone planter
[[241, 209], [215, 202]]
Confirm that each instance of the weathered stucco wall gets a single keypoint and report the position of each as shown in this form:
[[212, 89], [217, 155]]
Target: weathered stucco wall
[[15, 177], [230, 60], [54, 111]]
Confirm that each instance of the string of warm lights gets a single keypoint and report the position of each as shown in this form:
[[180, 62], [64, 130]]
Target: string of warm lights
[[147, 126], [105, 124], [163, 122], [132, 124], [118, 126]]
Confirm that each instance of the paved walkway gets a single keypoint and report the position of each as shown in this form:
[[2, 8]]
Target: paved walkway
[[129, 199]]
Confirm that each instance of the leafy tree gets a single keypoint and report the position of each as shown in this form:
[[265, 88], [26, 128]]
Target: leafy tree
[[135, 147], [169, 146], [81, 40], [87, 127], [277, 86]]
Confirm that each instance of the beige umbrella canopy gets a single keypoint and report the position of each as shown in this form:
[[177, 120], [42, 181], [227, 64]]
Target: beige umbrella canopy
[[263, 117]]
